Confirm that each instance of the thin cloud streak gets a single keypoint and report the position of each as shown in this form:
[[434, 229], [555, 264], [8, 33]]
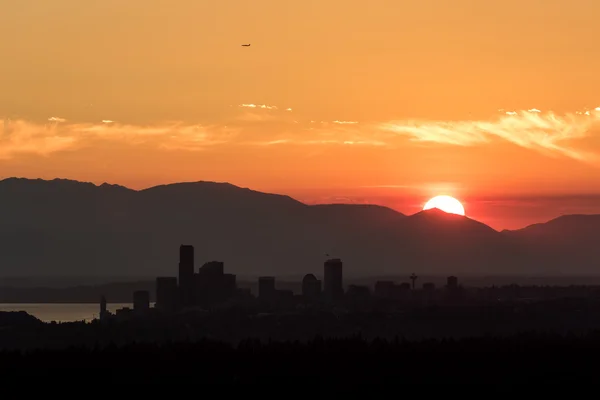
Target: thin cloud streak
[[544, 132], [300, 142], [22, 137], [261, 106]]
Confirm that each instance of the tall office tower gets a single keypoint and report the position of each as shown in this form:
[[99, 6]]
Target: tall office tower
[[210, 284], [186, 274], [334, 289], [103, 310], [311, 287], [166, 293], [213, 269]]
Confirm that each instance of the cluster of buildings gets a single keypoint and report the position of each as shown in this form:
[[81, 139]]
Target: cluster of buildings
[[207, 287], [210, 286], [392, 290]]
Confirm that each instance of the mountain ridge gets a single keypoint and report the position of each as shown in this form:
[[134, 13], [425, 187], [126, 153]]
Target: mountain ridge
[[71, 228]]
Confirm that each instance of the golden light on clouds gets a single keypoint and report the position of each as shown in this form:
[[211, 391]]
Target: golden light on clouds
[[23, 137], [547, 132], [544, 132], [262, 106]]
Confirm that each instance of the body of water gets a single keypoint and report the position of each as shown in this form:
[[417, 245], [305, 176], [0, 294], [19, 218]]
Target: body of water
[[63, 312]]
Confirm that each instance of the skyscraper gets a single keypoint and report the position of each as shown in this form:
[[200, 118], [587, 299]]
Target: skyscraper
[[311, 287], [186, 274], [103, 310], [166, 293], [334, 289], [186, 260], [213, 286], [212, 269]]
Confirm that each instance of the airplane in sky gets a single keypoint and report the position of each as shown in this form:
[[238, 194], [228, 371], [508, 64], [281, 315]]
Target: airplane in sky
[[246, 45]]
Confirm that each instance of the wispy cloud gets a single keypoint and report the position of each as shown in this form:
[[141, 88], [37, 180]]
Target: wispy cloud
[[533, 129], [261, 106], [307, 142], [23, 137], [272, 142], [345, 122], [323, 134], [545, 132], [256, 113], [393, 186]]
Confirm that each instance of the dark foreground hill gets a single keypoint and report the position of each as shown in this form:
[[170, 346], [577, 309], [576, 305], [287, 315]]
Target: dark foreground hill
[[68, 228], [18, 319], [531, 359]]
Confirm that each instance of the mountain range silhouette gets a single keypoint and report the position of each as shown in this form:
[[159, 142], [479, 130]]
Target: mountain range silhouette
[[64, 228]]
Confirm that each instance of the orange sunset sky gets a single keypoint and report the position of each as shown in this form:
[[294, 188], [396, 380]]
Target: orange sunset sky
[[388, 102]]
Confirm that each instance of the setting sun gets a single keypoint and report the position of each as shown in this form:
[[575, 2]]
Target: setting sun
[[445, 203]]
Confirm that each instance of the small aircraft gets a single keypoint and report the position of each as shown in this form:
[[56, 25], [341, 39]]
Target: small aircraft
[[246, 45]]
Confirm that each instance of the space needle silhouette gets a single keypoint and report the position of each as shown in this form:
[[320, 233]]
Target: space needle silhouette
[[413, 278]]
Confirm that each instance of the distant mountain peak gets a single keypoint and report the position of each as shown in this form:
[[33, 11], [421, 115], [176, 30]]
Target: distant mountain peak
[[200, 184], [437, 213], [436, 218], [56, 185], [560, 225], [222, 190]]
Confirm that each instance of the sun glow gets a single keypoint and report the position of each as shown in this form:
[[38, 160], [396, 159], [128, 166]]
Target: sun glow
[[445, 203]]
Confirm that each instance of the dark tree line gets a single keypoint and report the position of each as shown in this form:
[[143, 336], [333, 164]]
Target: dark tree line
[[525, 358]]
